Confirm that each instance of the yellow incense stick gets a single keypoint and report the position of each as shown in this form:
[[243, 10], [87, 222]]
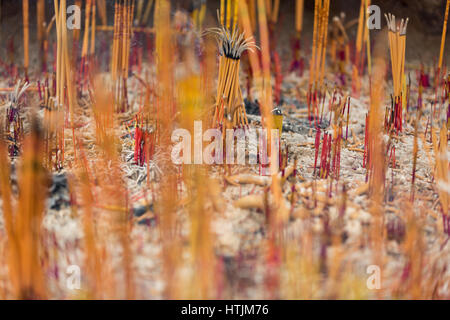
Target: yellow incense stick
[[222, 12], [276, 8], [147, 11], [299, 15], [444, 33], [325, 31], [235, 12], [92, 51], [40, 13], [84, 49], [228, 14], [139, 8], [313, 56], [367, 41], [359, 35]]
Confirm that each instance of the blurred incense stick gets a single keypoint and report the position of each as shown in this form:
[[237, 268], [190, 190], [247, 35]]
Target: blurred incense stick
[[26, 32]]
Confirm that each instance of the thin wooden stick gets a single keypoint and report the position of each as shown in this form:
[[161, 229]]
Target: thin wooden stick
[[92, 51], [40, 15], [147, 12], [25, 10], [101, 4], [139, 8], [324, 50], [299, 7], [276, 9], [87, 20], [367, 41], [359, 34], [314, 45], [123, 19], [444, 33], [228, 14]]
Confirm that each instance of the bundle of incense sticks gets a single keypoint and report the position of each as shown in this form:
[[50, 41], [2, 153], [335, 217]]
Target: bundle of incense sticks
[[397, 44], [317, 66], [26, 36], [123, 18], [23, 218], [229, 101], [64, 93], [320, 35], [362, 35]]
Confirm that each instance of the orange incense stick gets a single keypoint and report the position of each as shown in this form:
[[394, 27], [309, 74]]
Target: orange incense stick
[[444, 33]]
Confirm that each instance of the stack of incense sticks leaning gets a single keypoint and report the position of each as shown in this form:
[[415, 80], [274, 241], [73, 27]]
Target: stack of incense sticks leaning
[[229, 102], [123, 18], [317, 66], [397, 44], [64, 94]]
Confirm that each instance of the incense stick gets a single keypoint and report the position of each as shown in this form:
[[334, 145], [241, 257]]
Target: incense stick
[[25, 10], [229, 100], [397, 44], [299, 7], [123, 17], [318, 57], [444, 33]]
